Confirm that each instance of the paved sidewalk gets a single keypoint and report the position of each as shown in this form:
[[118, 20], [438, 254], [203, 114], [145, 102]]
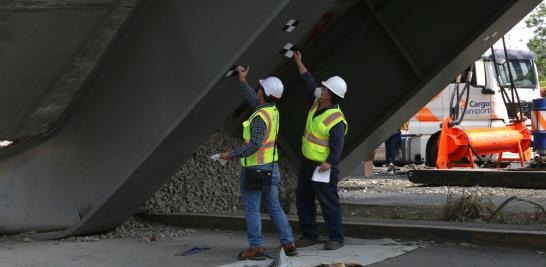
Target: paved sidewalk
[[224, 247]]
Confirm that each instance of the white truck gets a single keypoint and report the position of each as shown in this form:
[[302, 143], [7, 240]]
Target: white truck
[[485, 109]]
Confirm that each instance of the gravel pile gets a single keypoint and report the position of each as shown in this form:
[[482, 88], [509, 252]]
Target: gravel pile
[[200, 184], [137, 229], [134, 229], [204, 186]]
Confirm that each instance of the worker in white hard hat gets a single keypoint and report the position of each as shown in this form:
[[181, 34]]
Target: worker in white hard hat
[[322, 144], [259, 155]]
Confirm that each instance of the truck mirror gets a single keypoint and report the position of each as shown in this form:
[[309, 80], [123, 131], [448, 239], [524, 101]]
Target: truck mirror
[[479, 68]]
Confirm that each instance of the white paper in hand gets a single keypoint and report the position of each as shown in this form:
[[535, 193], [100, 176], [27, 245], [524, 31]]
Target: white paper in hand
[[217, 158], [323, 177]]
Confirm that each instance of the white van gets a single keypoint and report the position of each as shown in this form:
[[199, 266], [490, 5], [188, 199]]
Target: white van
[[485, 109]]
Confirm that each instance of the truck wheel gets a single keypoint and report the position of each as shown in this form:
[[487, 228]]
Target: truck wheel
[[432, 150]]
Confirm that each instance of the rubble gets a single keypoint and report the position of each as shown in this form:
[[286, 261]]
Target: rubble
[[204, 186], [135, 228]]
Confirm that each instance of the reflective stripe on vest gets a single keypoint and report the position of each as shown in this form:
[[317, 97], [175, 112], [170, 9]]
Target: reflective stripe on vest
[[331, 118], [264, 155], [315, 141]]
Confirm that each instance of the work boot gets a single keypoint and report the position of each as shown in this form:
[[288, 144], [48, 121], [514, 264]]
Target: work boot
[[255, 254], [391, 168], [304, 242], [290, 249], [332, 245]]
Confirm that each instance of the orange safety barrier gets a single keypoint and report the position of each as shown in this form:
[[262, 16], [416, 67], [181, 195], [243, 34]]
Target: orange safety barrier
[[454, 143]]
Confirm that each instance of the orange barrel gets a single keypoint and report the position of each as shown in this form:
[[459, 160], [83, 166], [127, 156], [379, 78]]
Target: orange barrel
[[488, 140], [538, 115]]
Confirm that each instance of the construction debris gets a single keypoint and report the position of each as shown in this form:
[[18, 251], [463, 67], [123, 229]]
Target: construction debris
[[138, 229], [134, 229], [202, 185]]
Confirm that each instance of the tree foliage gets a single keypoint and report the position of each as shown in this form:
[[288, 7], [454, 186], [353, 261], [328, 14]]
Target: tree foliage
[[537, 44]]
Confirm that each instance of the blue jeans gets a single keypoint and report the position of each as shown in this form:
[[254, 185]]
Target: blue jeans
[[391, 146], [327, 195], [251, 202]]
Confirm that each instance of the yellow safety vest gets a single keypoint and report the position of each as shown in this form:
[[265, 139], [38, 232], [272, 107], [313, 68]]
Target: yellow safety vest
[[264, 155], [317, 132]]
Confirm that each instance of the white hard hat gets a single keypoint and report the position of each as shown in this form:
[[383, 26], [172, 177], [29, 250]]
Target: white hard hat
[[272, 86], [336, 85]]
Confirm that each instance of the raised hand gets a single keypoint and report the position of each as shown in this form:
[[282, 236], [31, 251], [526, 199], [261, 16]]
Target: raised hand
[[297, 56], [243, 73]]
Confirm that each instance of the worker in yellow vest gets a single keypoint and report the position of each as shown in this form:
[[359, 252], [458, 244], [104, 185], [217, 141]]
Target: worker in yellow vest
[[259, 154], [322, 144]]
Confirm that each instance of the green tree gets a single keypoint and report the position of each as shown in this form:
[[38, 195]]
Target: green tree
[[537, 44]]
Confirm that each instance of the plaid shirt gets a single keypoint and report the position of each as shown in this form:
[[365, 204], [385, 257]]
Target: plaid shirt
[[257, 125]]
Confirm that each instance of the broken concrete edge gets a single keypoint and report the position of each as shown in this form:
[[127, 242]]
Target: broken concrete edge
[[101, 46], [368, 228], [81, 73]]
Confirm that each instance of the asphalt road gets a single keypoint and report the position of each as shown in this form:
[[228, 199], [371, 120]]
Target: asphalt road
[[468, 256]]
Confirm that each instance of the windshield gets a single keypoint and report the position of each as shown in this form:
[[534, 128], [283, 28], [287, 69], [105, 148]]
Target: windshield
[[523, 72]]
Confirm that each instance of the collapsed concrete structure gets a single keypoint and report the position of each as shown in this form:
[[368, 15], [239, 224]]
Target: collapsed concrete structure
[[103, 99]]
